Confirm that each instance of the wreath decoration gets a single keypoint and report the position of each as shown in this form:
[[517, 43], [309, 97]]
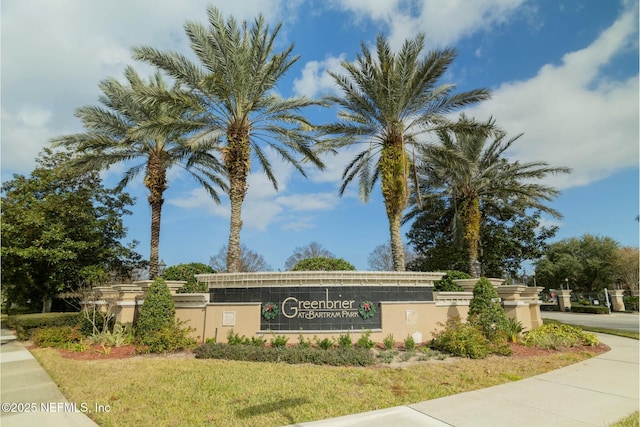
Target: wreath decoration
[[270, 310], [367, 309]]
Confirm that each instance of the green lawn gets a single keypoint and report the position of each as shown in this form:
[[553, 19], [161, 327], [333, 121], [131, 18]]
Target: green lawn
[[172, 391]]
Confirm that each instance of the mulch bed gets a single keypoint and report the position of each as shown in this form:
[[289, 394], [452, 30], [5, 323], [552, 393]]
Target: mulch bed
[[96, 352]]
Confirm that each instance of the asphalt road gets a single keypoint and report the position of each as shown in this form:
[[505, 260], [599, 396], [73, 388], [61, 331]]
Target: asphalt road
[[622, 321]]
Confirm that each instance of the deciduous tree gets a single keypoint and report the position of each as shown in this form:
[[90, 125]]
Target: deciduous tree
[[187, 273], [312, 250], [250, 261], [381, 258], [587, 262], [323, 264], [627, 268]]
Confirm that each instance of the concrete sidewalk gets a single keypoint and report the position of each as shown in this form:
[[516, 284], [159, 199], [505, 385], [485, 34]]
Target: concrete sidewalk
[[595, 392], [29, 396]]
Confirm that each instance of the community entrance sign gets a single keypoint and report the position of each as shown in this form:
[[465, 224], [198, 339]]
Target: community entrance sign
[[321, 308]]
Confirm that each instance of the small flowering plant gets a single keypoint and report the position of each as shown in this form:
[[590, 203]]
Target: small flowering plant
[[269, 310], [367, 309]]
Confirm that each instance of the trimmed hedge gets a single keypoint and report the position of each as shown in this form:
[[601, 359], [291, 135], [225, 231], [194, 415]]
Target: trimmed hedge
[[294, 355], [26, 324], [595, 309], [56, 336]]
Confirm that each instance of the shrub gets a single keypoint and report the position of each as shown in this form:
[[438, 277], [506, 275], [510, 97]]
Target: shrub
[[631, 302], [409, 343], [90, 326], [172, 337], [387, 356], [157, 311], [236, 339], [325, 343], [120, 336], [323, 264], [344, 341], [389, 342], [485, 311], [512, 329], [157, 329], [335, 357], [92, 320], [26, 324], [461, 339], [279, 341], [56, 336], [558, 335], [500, 345], [364, 341], [303, 342], [447, 284], [258, 341]]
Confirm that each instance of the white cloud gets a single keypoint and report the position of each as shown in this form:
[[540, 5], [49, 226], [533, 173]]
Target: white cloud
[[335, 164], [198, 198], [264, 204], [572, 114], [298, 223], [54, 53], [308, 201], [315, 80], [443, 22]]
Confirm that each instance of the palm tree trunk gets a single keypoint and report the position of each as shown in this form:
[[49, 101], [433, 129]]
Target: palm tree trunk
[[397, 249], [393, 167], [237, 162], [156, 181], [471, 218], [236, 197], [156, 209]]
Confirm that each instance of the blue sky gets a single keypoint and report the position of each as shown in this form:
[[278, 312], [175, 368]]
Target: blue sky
[[564, 73]]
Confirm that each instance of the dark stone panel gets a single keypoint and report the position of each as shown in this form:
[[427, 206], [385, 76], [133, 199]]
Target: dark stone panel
[[324, 308]]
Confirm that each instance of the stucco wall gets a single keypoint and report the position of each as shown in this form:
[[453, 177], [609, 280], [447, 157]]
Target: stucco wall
[[401, 318]]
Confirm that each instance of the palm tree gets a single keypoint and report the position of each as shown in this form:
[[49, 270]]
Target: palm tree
[[389, 103], [469, 172], [118, 132], [232, 94]]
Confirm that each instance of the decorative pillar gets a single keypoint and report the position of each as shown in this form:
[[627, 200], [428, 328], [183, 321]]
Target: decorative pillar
[[616, 299], [531, 295], [564, 299], [128, 296], [514, 306]]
